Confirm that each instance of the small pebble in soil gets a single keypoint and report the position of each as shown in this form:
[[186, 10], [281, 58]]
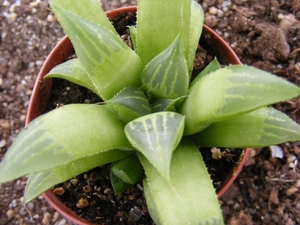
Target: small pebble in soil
[[59, 191], [10, 213], [86, 189], [82, 203], [216, 153], [74, 181], [135, 214]]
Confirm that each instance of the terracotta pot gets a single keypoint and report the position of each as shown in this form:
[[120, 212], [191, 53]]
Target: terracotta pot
[[64, 49]]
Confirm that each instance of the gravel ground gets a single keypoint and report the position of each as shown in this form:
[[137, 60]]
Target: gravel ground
[[265, 34]]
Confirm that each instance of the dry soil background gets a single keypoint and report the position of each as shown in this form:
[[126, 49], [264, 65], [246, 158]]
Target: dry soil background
[[264, 33]]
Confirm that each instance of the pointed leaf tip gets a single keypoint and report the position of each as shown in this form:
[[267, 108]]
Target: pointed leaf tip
[[156, 136]]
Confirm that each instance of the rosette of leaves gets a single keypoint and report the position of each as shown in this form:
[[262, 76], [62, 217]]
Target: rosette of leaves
[[153, 119]]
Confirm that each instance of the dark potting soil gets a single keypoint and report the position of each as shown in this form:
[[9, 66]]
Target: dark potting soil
[[90, 194]]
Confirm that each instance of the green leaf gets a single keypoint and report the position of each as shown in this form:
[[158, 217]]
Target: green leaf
[[164, 104], [156, 136], [166, 76], [88, 12], [62, 136], [188, 197], [40, 182], [133, 33], [259, 128], [130, 103], [105, 57], [73, 71], [118, 184], [211, 67], [232, 91], [125, 172], [195, 29], [185, 17]]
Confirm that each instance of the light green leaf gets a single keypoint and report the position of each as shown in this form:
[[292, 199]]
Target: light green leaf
[[259, 128], [118, 184], [211, 67], [40, 182], [125, 172], [164, 104], [129, 169], [130, 103], [62, 136], [186, 18], [88, 12], [156, 136], [73, 71], [133, 32], [105, 57], [232, 91], [195, 30], [166, 76], [188, 197]]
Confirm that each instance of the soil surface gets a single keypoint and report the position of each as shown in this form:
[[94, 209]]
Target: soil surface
[[264, 33]]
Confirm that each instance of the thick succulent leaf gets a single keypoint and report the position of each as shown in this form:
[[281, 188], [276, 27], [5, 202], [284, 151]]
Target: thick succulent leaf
[[189, 194], [186, 18], [62, 136], [166, 76], [73, 71], [259, 128], [125, 172], [105, 57], [118, 184], [133, 32], [164, 104], [88, 12], [40, 182], [129, 169], [195, 30], [232, 91], [130, 103], [156, 136], [210, 68]]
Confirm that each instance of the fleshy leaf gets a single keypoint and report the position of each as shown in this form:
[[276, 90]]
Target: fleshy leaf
[[195, 30], [105, 57], [166, 76], [211, 67], [39, 182], [164, 104], [62, 136], [118, 184], [259, 128], [156, 136], [129, 169], [125, 172], [188, 188], [73, 71], [232, 91], [133, 31], [130, 103], [88, 12], [187, 19]]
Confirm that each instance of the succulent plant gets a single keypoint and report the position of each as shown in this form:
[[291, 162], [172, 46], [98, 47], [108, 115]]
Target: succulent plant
[[153, 118]]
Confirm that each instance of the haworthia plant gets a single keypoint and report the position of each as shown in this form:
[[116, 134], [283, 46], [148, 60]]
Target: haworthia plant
[[152, 116], [156, 136], [242, 131], [41, 181], [168, 197], [51, 141], [103, 54], [232, 91]]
